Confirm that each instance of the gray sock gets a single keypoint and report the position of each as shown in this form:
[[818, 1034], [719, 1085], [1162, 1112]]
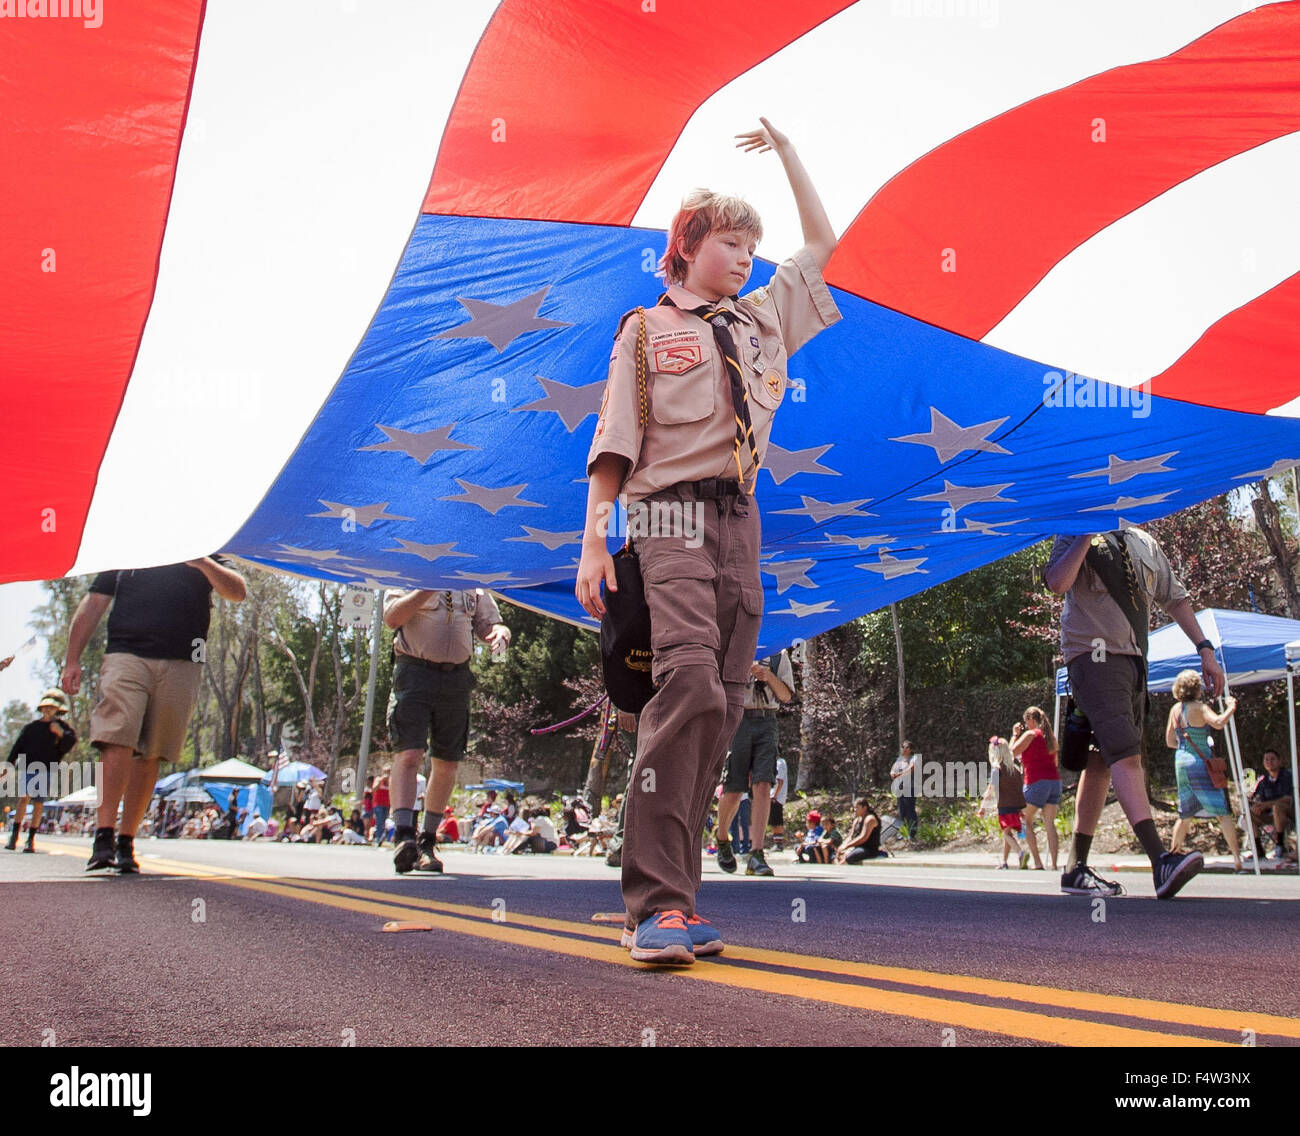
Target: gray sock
[[431, 822], [403, 818]]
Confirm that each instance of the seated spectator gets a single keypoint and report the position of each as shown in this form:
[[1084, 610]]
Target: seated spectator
[[272, 829], [256, 827], [356, 824], [517, 833], [809, 838], [576, 816], [491, 830], [1272, 800], [292, 829], [448, 830], [542, 837], [826, 848], [864, 836]]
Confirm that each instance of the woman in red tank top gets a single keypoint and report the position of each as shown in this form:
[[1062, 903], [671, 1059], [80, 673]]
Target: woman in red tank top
[[1034, 743]]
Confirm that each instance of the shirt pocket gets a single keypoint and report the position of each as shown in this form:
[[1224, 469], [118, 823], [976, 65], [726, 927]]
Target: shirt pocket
[[765, 375], [678, 399]]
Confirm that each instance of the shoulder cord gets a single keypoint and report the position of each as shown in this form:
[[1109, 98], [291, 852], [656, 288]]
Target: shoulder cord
[[642, 411]]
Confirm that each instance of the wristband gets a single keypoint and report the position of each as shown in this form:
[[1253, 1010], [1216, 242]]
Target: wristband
[[1201, 646]]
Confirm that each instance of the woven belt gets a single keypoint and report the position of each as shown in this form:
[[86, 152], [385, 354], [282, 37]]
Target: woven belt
[[760, 713], [714, 487], [429, 666]]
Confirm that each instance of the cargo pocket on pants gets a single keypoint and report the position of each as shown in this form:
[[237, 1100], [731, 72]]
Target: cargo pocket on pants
[[681, 594], [744, 636]]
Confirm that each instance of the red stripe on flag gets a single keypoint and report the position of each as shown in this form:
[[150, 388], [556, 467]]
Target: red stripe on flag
[[999, 205], [568, 111], [1245, 361], [90, 131]]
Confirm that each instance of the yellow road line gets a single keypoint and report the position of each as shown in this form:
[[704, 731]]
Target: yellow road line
[[1174, 1013], [965, 1015]]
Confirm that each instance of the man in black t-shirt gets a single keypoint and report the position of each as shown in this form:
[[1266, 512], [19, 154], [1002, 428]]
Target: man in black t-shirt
[[148, 684]]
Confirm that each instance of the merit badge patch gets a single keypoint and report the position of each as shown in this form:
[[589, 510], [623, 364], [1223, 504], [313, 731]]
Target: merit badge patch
[[757, 296], [774, 383], [676, 352], [677, 360]]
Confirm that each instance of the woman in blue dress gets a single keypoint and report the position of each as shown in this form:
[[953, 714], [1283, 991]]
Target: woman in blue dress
[[1187, 733]]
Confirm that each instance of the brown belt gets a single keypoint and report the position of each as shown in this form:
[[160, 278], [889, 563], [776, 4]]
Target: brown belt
[[760, 713], [434, 666]]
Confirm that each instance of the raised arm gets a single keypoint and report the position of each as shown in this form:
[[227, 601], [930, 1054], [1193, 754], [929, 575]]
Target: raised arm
[[1060, 576], [402, 610], [226, 582], [818, 236]]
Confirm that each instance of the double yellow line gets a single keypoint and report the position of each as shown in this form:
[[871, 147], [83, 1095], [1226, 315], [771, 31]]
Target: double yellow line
[[833, 981]]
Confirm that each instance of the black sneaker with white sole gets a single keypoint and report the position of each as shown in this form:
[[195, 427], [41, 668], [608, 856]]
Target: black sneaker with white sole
[[726, 857], [428, 860], [1082, 880], [125, 862], [101, 853], [1173, 870], [407, 850]]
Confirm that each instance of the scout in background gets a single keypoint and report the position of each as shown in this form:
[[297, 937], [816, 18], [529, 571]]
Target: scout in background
[[41, 746], [693, 385]]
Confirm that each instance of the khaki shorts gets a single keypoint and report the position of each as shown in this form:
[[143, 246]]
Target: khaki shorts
[[145, 704]]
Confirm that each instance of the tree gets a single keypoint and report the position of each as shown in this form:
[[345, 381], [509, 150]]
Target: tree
[[12, 720]]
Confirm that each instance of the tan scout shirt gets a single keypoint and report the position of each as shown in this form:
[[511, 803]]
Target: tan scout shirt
[[691, 428], [443, 633], [1091, 613]]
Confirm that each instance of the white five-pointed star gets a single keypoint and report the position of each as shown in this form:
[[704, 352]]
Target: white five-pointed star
[[891, 566], [788, 573], [493, 500], [959, 496], [947, 439], [501, 324], [803, 610], [1123, 503], [824, 510], [1117, 469], [420, 445], [429, 552], [552, 540], [363, 515]]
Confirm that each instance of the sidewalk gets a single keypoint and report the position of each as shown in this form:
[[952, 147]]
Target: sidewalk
[[923, 858]]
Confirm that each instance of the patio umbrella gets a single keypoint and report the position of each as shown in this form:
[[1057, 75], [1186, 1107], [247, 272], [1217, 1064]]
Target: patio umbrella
[[232, 770]]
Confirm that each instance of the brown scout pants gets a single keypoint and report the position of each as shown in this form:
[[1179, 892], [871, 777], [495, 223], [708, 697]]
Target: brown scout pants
[[706, 604]]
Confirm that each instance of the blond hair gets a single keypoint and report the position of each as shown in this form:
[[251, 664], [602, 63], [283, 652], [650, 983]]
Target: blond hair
[[1187, 687], [704, 212], [1000, 754]]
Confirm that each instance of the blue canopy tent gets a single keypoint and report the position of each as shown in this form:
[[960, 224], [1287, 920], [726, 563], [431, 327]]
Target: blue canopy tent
[[502, 786], [1250, 647], [251, 798], [294, 772]]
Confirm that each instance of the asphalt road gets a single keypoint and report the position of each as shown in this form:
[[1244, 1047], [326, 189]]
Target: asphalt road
[[273, 945]]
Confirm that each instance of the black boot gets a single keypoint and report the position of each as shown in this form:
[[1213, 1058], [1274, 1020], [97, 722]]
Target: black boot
[[101, 855], [408, 851], [13, 837], [30, 846], [428, 859], [126, 864]]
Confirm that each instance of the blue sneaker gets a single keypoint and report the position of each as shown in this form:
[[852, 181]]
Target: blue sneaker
[[704, 939], [664, 938]]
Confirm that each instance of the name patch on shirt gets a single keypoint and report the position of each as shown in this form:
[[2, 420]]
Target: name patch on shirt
[[676, 352]]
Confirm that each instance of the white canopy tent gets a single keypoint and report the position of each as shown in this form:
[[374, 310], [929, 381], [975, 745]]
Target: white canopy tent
[[1251, 648]]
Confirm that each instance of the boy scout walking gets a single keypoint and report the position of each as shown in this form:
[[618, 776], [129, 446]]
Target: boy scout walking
[[431, 689], [693, 385]]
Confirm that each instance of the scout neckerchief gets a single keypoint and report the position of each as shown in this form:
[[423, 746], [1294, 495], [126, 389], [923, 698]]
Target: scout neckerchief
[[1109, 557], [718, 318]]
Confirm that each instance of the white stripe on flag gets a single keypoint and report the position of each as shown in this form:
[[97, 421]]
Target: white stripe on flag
[[308, 148], [880, 85], [1126, 304]]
